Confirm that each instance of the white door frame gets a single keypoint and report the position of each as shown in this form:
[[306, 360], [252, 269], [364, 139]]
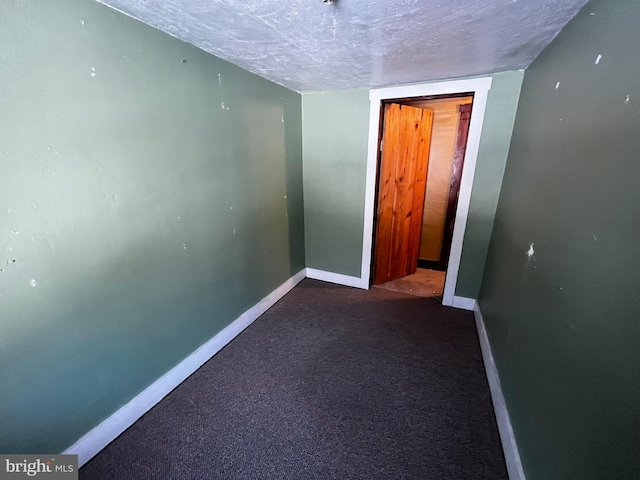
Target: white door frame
[[480, 88]]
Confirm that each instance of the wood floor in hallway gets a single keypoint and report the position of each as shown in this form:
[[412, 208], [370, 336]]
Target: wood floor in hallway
[[423, 283]]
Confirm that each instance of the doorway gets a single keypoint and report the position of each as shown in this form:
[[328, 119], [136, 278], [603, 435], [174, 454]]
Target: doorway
[[479, 88], [422, 146]]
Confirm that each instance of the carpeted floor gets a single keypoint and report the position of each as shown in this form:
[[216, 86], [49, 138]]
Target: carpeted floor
[[330, 383]]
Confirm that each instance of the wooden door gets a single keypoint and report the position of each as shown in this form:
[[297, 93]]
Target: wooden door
[[406, 140]]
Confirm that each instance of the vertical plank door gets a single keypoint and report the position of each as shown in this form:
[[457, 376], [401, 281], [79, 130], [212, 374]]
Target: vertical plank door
[[403, 175]]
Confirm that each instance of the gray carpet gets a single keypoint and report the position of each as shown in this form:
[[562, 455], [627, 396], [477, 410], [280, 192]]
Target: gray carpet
[[331, 383]]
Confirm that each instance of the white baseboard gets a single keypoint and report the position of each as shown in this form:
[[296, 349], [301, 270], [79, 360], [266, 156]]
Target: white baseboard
[[463, 303], [103, 434], [100, 436], [335, 278], [509, 446]]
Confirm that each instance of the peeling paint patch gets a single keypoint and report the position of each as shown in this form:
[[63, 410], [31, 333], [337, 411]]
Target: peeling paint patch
[[530, 252]]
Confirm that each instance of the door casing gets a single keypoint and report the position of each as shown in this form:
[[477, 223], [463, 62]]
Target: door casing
[[480, 88]]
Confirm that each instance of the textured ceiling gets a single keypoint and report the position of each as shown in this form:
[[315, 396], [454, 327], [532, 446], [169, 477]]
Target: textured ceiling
[[308, 46]]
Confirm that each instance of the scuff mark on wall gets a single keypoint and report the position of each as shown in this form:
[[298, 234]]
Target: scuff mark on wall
[[598, 58], [221, 96]]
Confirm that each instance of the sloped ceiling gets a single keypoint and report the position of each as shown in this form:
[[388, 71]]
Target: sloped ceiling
[[308, 46]]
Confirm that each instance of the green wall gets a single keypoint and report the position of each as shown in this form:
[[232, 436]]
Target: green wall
[[335, 136], [497, 127], [149, 194], [564, 324], [334, 139]]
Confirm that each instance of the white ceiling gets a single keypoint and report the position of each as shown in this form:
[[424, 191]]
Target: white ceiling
[[308, 46]]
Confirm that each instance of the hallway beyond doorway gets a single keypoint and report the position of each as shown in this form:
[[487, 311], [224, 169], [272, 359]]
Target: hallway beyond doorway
[[423, 283]]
